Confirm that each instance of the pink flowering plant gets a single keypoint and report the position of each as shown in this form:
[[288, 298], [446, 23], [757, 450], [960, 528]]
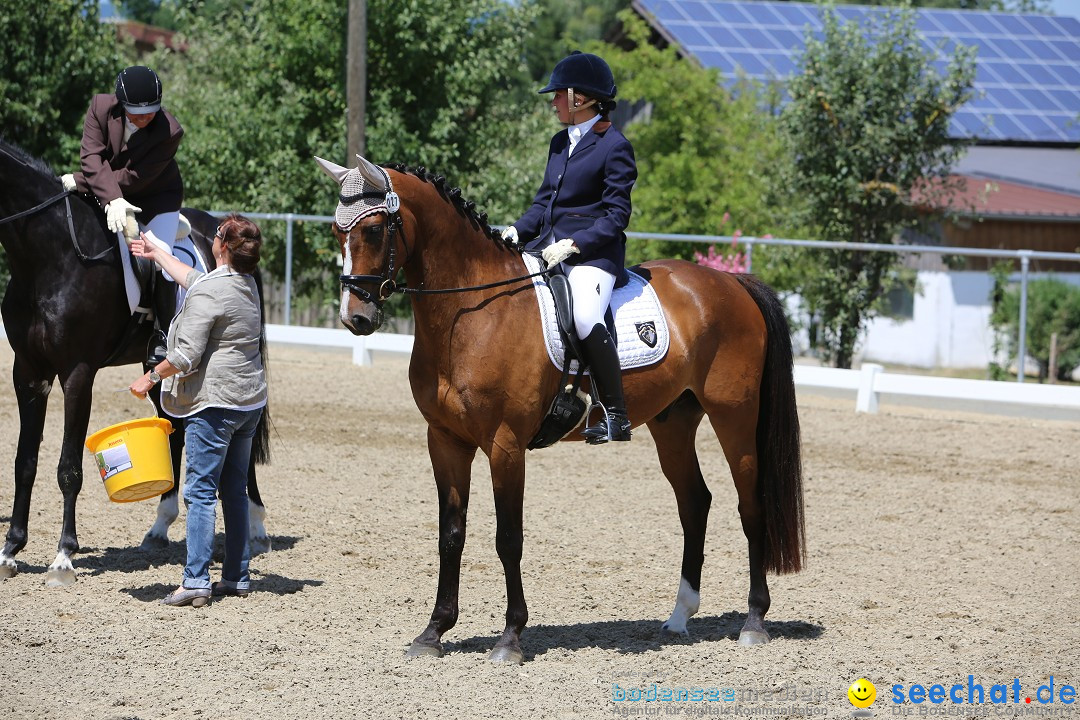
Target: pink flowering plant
[[735, 262]]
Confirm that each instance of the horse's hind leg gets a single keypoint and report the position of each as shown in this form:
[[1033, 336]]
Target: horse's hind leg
[[168, 508], [32, 393], [452, 465], [737, 435], [674, 432], [78, 396]]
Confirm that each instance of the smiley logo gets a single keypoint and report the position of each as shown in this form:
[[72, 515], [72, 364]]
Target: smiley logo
[[862, 693]]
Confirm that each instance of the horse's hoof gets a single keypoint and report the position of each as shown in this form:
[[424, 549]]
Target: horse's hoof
[[8, 569], [506, 656], [154, 542], [60, 578], [753, 637], [420, 650], [259, 545], [667, 631]]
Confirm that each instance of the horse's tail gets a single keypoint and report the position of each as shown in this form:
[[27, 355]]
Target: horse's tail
[[778, 446], [260, 444]]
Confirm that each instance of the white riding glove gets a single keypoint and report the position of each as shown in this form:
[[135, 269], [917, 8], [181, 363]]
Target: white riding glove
[[510, 236], [68, 181], [116, 213], [556, 252]]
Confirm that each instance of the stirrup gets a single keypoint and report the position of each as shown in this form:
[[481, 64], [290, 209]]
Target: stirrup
[[613, 426]]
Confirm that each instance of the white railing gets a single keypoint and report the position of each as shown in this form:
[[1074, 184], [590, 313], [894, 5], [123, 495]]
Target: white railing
[[869, 383]]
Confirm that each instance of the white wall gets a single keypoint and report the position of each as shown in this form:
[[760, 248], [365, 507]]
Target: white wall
[[950, 327]]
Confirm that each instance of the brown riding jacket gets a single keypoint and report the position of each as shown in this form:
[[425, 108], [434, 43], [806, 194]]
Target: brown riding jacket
[[143, 171]]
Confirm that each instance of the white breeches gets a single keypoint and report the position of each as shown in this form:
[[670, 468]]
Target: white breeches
[[591, 289]]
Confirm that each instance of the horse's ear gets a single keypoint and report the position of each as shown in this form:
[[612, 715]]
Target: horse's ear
[[335, 171], [372, 175]]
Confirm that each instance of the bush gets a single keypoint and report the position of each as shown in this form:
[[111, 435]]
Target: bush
[[1053, 306]]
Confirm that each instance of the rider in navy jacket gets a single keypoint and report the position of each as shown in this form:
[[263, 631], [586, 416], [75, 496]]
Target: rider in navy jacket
[[579, 218], [585, 196]]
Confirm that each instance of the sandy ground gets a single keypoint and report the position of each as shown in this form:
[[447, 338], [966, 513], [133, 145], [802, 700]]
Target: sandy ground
[[941, 545]]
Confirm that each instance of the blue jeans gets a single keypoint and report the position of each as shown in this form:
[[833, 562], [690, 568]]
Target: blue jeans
[[218, 444]]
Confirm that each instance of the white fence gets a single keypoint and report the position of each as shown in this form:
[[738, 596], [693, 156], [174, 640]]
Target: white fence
[[869, 383]]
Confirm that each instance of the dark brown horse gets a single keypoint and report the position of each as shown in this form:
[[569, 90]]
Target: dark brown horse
[[482, 379], [67, 316]]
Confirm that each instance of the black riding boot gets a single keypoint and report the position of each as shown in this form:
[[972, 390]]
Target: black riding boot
[[164, 311], [607, 376]]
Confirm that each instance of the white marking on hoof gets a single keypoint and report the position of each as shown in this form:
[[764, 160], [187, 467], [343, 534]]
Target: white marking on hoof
[[8, 567], [686, 604], [753, 637], [167, 512], [258, 540], [61, 573]]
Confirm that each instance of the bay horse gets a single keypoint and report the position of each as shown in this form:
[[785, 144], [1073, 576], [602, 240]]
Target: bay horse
[[482, 379], [66, 316]]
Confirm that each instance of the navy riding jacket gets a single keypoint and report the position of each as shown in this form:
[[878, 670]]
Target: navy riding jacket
[[586, 197]]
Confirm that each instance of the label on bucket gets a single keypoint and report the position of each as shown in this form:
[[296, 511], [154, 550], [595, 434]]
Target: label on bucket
[[113, 460]]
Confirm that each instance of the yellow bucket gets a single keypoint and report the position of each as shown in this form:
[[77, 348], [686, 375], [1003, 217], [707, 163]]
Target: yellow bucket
[[134, 459]]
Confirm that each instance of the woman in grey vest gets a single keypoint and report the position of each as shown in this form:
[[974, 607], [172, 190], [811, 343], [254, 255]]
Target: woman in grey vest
[[213, 377]]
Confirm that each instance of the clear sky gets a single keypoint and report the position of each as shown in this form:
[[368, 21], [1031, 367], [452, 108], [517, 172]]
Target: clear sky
[[1066, 7]]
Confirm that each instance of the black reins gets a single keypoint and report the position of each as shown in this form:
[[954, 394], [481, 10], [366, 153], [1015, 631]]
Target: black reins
[[387, 284], [66, 197]]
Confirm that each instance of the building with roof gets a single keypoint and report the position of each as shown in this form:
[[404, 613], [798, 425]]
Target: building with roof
[[1022, 174]]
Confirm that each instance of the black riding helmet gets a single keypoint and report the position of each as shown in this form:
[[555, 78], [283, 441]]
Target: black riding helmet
[[139, 89], [586, 73]]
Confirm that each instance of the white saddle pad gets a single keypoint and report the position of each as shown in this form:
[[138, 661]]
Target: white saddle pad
[[642, 331], [184, 249]]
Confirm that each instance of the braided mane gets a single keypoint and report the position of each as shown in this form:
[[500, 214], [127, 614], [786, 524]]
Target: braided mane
[[466, 208]]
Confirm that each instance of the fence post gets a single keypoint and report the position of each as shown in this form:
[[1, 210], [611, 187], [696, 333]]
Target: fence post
[[749, 256], [867, 400], [1025, 262], [360, 353], [288, 268]]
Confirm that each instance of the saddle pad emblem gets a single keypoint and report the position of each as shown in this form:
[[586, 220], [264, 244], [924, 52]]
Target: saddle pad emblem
[[647, 332]]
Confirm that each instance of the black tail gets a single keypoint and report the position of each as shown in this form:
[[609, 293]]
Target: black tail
[[778, 443], [260, 444]]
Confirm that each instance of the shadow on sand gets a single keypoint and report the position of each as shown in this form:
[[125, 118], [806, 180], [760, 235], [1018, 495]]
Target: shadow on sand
[[635, 636]]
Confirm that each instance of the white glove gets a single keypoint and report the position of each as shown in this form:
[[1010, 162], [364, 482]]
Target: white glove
[[556, 252], [116, 213], [510, 236], [68, 181]]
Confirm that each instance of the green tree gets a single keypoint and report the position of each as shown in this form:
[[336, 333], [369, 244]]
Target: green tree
[[260, 92], [562, 26], [867, 128], [54, 56], [702, 150], [1053, 308]]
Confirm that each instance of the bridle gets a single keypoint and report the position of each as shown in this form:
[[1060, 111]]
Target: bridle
[[387, 283]]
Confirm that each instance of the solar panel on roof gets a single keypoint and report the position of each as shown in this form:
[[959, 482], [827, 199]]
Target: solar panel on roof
[[1027, 86]]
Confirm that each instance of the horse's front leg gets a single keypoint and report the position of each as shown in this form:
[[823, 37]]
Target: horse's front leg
[[451, 462], [78, 396], [508, 480], [32, 393]]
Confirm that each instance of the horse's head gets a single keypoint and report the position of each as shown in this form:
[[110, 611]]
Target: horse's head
[[368, 228]]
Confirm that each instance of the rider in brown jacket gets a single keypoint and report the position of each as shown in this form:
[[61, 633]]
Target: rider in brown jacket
[[128, 158]]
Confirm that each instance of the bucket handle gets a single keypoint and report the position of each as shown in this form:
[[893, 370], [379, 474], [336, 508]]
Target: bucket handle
[[153, 407]]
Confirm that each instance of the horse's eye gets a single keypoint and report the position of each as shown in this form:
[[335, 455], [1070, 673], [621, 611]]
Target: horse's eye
[[374, 231]]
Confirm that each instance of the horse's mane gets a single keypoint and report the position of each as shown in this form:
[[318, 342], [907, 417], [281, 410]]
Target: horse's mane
[[24, 157], [466, 208]]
